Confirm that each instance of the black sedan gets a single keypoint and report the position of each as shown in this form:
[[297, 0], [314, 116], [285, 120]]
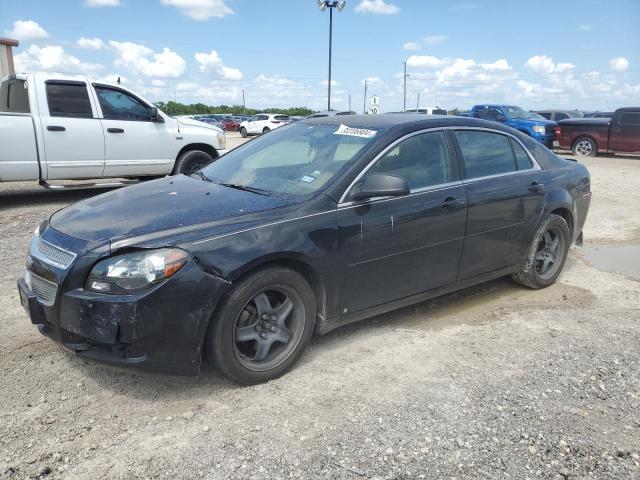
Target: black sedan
[[313, 226]]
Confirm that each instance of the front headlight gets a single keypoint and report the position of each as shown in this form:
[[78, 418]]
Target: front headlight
[[222, 141], [538, 128], [135, 271]]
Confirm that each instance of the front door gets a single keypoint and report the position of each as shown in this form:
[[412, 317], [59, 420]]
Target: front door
[[625, 132], [134, 145], [396, 247], [73, 138], [505, 198]]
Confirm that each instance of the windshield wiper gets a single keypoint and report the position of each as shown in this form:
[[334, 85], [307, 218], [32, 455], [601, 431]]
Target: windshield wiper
[[246, 188], [202, 176]]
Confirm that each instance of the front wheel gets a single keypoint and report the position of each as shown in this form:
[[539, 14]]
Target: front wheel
[[262, 326], [243, 132], [547, 253], [191, 161], [585, 147]]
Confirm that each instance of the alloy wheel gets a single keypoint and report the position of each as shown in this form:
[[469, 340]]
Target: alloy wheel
[[548, 257], [584, 148]]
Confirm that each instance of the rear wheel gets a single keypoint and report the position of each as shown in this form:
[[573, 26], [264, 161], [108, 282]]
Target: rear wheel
[[243, 132], [585, 147], [262, 326], [266, 130], [191, 161], [547, 253]]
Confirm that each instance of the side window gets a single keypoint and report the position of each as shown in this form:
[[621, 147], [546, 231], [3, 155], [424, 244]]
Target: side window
[[546, 115], [485, 153], [68, 100], [630, 118], [480, 113], [492, 114], [117, 105], [561, 116], [422, 159], [523, 162]]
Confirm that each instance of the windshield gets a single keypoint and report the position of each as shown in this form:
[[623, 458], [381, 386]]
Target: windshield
[[297, 159], [517, 112]]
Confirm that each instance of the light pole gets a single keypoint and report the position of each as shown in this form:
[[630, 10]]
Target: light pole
[[364, 103], [404, 89], [324, 4]]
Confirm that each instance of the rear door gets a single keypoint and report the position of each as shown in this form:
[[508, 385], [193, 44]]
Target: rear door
[[134, 144], [625, 132], [504, 195], [72, 133], [397, 247]]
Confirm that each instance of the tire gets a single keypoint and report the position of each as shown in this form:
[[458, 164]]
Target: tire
[[545, 262], [244, 327], [191, 161], [585, 147], [266, 130], [243, 132]]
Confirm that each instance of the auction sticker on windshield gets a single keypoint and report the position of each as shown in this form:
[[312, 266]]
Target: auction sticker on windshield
[[355, 132]]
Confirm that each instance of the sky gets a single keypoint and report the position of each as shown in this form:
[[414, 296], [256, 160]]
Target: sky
[[581, 54]]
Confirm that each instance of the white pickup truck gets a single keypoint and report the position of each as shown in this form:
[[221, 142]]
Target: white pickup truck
[[54, 128]]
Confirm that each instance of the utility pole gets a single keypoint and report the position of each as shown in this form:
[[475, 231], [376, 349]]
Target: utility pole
[[244, 107], [349, 102], [418, 101], [404, 90], [364, 103]]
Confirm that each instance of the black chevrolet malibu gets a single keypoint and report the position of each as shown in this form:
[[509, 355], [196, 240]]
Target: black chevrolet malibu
[[310, 227]]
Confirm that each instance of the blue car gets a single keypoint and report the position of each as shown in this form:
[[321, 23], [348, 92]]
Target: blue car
[[534, 125]]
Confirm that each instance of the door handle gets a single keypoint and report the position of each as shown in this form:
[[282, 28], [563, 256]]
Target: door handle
[[115, 130], [451, 203], [536, 187], [55, 128]]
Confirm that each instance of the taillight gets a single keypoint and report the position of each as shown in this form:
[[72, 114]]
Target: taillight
[[558, 131], [276, 121]]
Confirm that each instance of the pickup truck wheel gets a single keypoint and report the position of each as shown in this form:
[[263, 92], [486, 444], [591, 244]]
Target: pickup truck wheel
[[547, 253], [262, 326], [585, 147], [243, 132], [191, 161], [266, 130]]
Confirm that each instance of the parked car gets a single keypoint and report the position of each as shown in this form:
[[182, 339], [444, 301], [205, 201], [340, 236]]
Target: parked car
[[557, 115], [210, 120], [331, 113], [428, 111], [230, 124], [56, 128], [590, 136], [309, 228], [263, 123], [598, 115], [538, 128]]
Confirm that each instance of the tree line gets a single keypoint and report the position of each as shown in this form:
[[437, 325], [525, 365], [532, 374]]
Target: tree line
[[177, 108]]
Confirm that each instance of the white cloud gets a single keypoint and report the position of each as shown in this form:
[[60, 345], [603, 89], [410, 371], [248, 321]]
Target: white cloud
[[501, 64], [334, 83], [146, 62], [201, 9], [585, 27], [435, 39], [90, 43], [27, 30], [186, 86], [371, 80], [212, 61], [379, 7], [113, 78], [543, 64], [52, 59], [425, 61], [411, 46], [102, 3], [619, 64]]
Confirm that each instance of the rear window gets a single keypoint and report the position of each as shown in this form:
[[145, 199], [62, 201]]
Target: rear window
[[283, 118], [630, 118], [14, 97], [68, 100], [485, 153]]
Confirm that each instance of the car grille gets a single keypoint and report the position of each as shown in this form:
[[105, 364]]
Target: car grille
[[43, 289], [51, 254]]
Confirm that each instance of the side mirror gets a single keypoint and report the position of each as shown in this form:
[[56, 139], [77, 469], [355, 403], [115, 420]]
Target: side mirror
[[501, 118], [380, 185], [154, 116]]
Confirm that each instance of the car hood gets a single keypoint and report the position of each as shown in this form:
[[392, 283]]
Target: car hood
[[163, 205], [196, 123]]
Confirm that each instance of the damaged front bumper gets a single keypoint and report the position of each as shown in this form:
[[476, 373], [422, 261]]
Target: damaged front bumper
[[161, 329]]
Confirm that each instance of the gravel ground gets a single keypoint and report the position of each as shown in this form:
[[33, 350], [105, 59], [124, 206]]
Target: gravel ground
[[496, 381]]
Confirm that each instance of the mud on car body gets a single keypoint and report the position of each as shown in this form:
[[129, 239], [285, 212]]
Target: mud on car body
[[311, 227]]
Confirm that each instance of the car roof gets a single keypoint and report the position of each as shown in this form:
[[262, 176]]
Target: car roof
[[386, 121]]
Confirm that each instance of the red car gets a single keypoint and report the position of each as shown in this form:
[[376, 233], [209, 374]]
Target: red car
[[231, 124], [590, 136]]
